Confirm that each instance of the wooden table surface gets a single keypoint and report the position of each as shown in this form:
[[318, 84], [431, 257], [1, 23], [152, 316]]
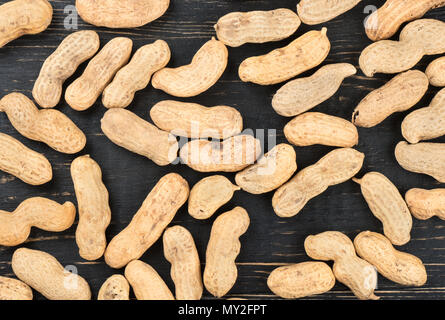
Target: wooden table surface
[[270, 241]]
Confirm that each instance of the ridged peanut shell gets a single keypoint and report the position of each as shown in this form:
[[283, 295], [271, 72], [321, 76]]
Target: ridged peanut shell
[[425, 204], [329, 245], [13, 289], [115, 287], [318, 11], [426, 33], [436, 72]]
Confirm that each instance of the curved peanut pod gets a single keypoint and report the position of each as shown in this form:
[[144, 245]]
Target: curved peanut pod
[[385, 22], [329, 245], [115, 287], [399, 94], [203, 72], [20, 161], [180, 250], [301, 95], [388, 206], [84, 91], [136, 74], [13, 289], [318, 11], [436, 72], [282, 64], [36, 212], [426, 33], [317, 128], [196, 121], [61, 64], [425, 158], [147, 225], [237, 28], [121, 13], [94, 208], [220, 272], [42, 272], [48, 126], [334, 168], [20, 17], [397, 266], [128, 131], [425, 204], [231, 155], [272, 171]]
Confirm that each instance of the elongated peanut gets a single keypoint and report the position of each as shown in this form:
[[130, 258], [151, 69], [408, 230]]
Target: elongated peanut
[[203, 72], [318, 11], [42, 272], [237, 28], [272, 171], [317, 128], [357, 274], [426, 33], [388, 206], [334, 168], [301, 280], [61, 64], [196, 121], [136, 74], [231, 155], [36, 212], [436, 72], [115, 287], [48, 126], [20, 17], [84, 91], [128, 131], [220, 272], [399, 94], [280, 65], [425, 158], [425, 204], [121, 13], [397, 266], [301, 95], [147, 225], [146, 282], [13, 289], [94, 209], [180, 250]]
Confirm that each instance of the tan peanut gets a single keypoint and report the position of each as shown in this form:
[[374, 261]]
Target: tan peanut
[[21, 17], [397, 266], [48, 126], [180, 250], [220, 272], [270, 172], [42, 272], [94, 208], [357, 274], [388, 206], [61, 64], [282, 64], [400, 94], [301, 95], [128, 131], [203, 72], [13, 289], [334, 168], [301, 280], [121, 13], [146, 282], [231, 155], [84, 91], [147, 225], [425, 158], [318, 128], [115, 287], [318, 11], [196, 121], [41, 213], [436, 72], [208, 195], [20, 161], [425, 204], [426, 33], [136, 74], [237, 28]]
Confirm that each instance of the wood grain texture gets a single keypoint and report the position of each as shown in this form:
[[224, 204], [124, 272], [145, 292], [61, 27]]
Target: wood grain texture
[[270, 241]]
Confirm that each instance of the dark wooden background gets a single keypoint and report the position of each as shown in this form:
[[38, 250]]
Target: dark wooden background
[[270, 241]]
